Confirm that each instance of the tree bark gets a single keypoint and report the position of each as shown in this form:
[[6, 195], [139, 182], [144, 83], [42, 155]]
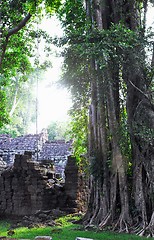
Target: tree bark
[[126, 206], [140, 120]]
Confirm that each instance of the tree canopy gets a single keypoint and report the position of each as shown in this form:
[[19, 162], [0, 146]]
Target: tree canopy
[[18, 34]]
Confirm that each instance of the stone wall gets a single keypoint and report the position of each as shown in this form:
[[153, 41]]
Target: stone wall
[[28, 186], [57, 151], [76, 186], [39, 146], [3, 165]]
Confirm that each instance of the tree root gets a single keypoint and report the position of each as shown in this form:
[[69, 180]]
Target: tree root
[[105, 221], [122, 225], [147, 230]]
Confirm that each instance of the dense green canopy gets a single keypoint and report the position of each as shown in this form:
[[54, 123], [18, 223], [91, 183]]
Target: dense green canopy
[[19, 37]]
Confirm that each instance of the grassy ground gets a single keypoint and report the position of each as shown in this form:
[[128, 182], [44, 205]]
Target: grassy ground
[[65, 231]]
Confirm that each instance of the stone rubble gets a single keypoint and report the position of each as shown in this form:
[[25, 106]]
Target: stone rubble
[[80, 238], [28, 187], [43, 238]]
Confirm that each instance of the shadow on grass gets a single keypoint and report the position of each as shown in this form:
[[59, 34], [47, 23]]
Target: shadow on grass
[[67, 231]]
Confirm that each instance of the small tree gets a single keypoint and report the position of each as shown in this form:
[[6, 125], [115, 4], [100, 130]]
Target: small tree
[[57, 131]]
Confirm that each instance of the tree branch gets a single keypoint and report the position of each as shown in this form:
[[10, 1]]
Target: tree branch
[[19, 26], [12, 31], [3, 49], [145, 95]]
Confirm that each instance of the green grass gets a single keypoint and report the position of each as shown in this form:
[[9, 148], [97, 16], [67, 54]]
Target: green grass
[[65, 230], [4, 228]]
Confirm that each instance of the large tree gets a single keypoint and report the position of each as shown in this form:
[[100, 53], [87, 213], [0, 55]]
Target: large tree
[[106, 57]]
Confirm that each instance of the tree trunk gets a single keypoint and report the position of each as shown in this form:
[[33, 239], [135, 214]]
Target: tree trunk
[[116, 203], [118, 163], [141, 126]]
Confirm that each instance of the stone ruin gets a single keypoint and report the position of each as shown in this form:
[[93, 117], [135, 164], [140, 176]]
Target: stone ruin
[[58, 152], [28, 186], [39, 175], [41, 148]]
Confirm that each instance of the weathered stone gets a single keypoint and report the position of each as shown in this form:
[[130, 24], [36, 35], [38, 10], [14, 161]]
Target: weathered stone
[[27, 187], [80, 238], [43, 238], [30, 144], [74, 187], [3, 165]]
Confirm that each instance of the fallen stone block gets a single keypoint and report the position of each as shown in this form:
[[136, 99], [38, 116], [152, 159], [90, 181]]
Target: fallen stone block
[[79, 238], [43, 238]]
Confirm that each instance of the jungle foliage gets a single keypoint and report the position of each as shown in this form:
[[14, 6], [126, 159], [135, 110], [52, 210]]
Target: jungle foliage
[[108, 66], [19, 39]]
